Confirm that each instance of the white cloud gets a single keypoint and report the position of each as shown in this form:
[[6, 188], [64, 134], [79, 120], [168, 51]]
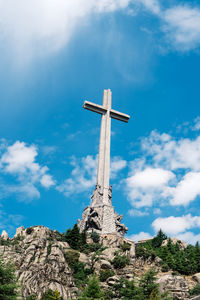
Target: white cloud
[[137, 213], [196, 126], [189, 237], [151, 5], [186, 190], [150, 178], [83, 175], [182, 25], [117, 164], [47, 181], [173, 154], [19, 160], [176, 225], [47, 25], [140, 236], [145, 186], [157, 211]]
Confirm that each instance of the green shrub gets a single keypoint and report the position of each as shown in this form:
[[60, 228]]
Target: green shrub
[[95, 237], [31, 297], [120, 261], [75, 238], [71, 257], [80, 272], [49, 249], [92, 291], [51, 295], [105, 274], [8, 284], [195, 291], [125, 247]]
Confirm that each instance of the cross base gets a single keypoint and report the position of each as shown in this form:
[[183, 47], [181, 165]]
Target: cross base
[[101, 217]]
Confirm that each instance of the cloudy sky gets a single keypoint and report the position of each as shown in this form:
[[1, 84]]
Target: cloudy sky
[[54, 54]]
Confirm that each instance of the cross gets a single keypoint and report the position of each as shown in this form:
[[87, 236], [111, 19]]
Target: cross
[[103, 172]]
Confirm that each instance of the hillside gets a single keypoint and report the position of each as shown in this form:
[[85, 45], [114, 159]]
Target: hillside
[[65, 263]]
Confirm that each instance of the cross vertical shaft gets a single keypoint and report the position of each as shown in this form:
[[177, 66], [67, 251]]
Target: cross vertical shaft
[[103, 172]]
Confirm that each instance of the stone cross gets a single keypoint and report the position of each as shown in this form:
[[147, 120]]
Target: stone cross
[[103, 173]]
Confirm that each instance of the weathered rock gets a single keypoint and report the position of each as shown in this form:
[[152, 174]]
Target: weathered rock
[[112, 280], [174, 241], [5, 235], [177, 285], [19, 231], [196, 277]]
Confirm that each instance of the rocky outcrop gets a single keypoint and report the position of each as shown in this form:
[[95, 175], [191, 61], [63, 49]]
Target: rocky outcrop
[[5, 235], [40, 257], [40, 262], [176, 285], [175, 241]]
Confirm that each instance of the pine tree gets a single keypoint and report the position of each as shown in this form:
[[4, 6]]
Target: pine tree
[[8, 286], [51, 295], [92, 291], [148, 283]]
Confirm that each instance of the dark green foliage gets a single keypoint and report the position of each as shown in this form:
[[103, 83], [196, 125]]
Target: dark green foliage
[[125, 247], [75, 238], [51, 295], [157, 241], [148, 284], [95, 237], [142, 250], [183, 261], [120, 261], [127, 290], [92, 291], [49, 249], [7, 282], [31, 297], [29, 230], [80, 272], [195, 291], [105, 274], [5, 242]]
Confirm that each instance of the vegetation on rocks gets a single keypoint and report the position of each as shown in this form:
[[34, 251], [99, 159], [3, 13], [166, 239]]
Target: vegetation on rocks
[[184, 261], [8, 283]]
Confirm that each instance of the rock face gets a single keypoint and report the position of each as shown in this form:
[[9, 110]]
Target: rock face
[[40, 262], [174, 241], [40, 257], [101, 217], [4, 235], [177, 285]]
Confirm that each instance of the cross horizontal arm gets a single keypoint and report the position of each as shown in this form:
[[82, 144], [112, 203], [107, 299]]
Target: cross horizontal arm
[[94, 107], [119, 116]]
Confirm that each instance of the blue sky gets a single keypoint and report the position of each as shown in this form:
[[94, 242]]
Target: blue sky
[[54, 54]]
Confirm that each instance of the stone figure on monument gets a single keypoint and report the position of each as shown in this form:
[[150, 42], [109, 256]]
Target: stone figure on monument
[[100, 214]]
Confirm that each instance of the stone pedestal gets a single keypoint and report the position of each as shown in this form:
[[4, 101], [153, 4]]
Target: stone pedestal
[[101, 217]]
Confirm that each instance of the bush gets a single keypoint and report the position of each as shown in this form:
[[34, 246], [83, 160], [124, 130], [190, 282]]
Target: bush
[[31, 297], [8, 285], [105, 274], [120, 262], [125, 247], [51, 295], [195, 291], [95, 237], [79, 271], [75, 238], [92, 291], [71, 257]]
